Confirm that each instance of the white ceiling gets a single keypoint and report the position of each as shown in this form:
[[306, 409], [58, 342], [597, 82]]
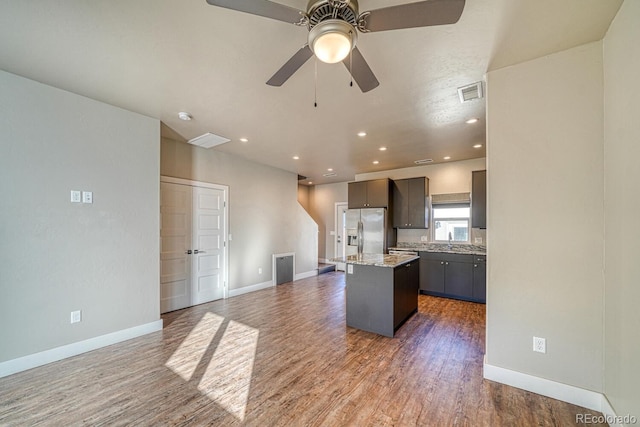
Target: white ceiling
[[159, 57]]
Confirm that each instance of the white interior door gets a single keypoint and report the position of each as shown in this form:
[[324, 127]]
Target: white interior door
[[341, 233], [193, 254], [175, 242], [208, 257]]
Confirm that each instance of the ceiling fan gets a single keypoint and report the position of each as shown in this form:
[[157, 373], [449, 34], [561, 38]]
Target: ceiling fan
[[333, 29]]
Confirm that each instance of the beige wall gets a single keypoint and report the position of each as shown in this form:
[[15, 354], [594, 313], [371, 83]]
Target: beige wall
[[450, 177], [622, 204], [55, 256], [545, 218], [323, 199], [265, 217]]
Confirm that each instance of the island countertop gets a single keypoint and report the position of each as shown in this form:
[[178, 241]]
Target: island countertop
[[377, 260], [442, 247]]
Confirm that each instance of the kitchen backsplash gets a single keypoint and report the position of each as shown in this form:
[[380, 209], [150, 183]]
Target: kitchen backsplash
[[423, 236]]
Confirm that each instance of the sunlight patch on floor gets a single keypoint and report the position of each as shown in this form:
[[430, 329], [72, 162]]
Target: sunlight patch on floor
[[228, 376], [187, 356]]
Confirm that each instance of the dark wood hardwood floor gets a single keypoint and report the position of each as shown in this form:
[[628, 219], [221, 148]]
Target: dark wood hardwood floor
[[284, 357]]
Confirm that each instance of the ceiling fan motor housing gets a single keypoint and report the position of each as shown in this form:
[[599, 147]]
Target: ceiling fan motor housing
[[322, 10]]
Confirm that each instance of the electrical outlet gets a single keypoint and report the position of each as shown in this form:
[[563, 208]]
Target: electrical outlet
[[539, 345], [478, 240], [259, 270], [75, 196], [76, 316]]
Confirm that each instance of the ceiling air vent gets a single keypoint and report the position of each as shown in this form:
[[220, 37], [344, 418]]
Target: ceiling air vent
[[423, 161], [329, 175], [208, 140], [470, 92]]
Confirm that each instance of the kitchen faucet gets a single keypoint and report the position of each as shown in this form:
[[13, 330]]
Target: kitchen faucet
[[450, 238]]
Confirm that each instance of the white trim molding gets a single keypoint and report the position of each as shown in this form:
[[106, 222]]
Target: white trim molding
[[48, 356], [566, 393], [305, 275], [251, 288]]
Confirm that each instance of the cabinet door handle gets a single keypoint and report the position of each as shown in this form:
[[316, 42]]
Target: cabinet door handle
[[441, 262], [475, 265], [447, 263], [408, 265]]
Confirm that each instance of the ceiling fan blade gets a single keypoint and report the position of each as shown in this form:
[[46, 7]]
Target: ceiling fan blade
[[417, 14], [361, 72], [291, 66], [265, 8]]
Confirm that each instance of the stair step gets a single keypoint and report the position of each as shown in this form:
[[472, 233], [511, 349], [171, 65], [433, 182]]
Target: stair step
[[326, 268]]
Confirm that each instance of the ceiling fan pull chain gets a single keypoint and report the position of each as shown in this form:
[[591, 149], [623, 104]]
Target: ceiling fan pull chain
[[351, 67], [315, 84]]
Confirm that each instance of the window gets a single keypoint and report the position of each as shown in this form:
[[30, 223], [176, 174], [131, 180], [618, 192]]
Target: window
[[451, 218]]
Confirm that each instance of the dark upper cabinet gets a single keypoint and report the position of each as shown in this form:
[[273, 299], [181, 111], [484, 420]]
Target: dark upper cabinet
[[479, 199], [369, 194], [410, 208]]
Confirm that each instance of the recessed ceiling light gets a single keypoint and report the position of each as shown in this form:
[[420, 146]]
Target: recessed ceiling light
[[447, 158], [472, 121], [296, 158], [310, 182], [330, 170], [182, 115], [362, 134], [477, 146], [423, 161], [244, 140], [382, 148], [375, 162]]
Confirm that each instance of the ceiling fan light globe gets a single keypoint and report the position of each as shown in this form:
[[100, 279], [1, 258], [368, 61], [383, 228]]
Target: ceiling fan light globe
[[332, 47], [332, 40]]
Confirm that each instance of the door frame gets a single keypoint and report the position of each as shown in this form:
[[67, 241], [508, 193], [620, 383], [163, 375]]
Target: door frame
[[337, 207], [225, 225]]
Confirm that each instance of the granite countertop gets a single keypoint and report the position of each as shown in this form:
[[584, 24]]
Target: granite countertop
[[377, 260], [442, 247]]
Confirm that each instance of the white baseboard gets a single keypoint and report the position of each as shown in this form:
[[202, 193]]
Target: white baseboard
[[48, 356], [305, 275], [610, 413], [251, 288], [567, 393]]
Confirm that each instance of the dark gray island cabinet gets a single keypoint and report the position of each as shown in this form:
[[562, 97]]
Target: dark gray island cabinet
[[382, 292]]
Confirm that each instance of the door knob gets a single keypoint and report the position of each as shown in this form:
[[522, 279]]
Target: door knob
[[188, 252], [198, 252]]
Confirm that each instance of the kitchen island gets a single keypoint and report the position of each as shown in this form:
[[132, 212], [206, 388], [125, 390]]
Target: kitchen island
[[381, 291]]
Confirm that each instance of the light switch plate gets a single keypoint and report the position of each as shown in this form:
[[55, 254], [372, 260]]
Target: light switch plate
[[349, 268], [87, 197], [75, 196]]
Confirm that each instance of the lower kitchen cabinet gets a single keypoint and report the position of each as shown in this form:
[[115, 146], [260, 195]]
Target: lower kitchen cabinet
[[457, 276], [406, 282], [480, 278]]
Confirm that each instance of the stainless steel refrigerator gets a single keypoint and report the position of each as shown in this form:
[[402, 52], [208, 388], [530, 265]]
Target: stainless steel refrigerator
[[375, 229]]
